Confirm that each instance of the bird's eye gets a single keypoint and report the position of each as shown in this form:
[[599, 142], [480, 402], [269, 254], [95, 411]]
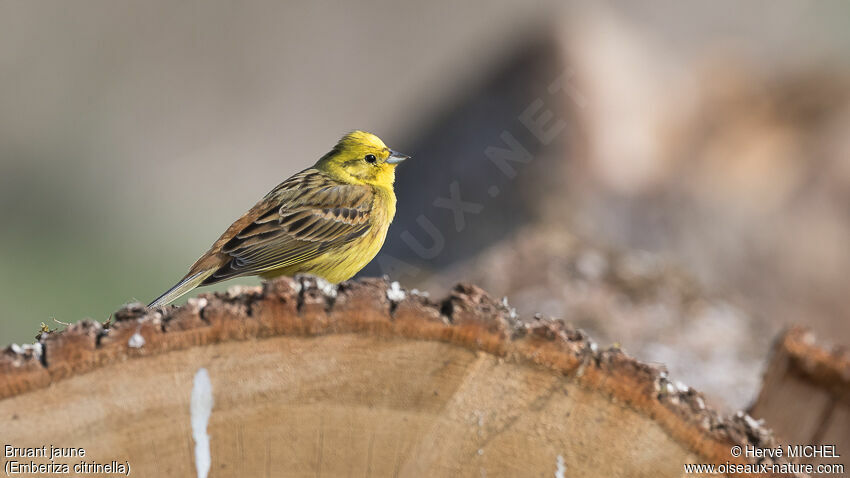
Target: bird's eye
[[370, 158]]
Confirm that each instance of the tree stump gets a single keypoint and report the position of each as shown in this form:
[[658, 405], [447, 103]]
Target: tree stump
[[301, 378]]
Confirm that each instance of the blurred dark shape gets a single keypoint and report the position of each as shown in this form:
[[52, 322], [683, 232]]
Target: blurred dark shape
[[450, 153]]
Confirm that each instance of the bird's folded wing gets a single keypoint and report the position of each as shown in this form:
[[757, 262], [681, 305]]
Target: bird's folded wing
[[297, 221]]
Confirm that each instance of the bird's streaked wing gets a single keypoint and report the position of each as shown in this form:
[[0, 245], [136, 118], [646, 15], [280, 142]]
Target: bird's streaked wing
[[297, 221]]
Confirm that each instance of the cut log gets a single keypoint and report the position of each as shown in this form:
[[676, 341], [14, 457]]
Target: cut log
[[364, 379], [806, 393]]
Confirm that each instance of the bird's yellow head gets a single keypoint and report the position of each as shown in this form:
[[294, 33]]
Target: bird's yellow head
[[361, 158]]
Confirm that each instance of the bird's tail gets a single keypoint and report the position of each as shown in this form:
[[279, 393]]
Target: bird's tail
[[188, 283]]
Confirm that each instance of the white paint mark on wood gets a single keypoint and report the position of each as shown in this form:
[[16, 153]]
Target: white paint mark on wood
[[200, 410], [560, 467]]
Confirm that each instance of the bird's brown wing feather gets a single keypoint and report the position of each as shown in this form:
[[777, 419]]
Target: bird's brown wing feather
[[297, 221]]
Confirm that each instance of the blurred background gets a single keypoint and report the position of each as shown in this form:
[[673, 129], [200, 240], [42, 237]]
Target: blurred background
[[673, 177]]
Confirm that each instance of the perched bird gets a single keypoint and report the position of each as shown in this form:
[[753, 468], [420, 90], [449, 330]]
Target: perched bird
[[329, 220]]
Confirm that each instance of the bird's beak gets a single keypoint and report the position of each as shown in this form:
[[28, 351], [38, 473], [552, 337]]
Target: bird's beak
[[396, 157]]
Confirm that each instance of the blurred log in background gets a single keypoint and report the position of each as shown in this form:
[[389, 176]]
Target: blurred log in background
[[806, 393]]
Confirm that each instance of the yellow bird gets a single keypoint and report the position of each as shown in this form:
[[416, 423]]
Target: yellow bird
[[329, 220]]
